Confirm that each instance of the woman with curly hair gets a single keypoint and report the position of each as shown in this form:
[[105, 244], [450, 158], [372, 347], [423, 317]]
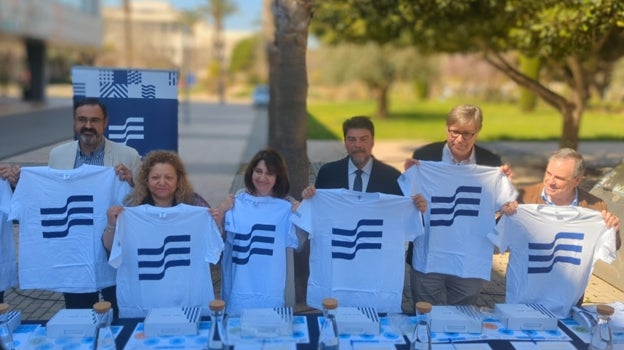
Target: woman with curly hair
[[162, 181], [165, 237]]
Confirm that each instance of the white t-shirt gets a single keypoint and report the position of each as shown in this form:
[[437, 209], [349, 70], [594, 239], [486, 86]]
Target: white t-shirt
[[163, 257], [463, 200], [553, 250], [258, 231], [357, 246], [62, 214], [8, 266]]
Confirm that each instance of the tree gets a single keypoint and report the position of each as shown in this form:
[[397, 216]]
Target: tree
[[287, 107], [217, 10], [574, 39]]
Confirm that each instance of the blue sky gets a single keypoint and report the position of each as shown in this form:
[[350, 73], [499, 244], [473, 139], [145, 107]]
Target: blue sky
[[247, 16]]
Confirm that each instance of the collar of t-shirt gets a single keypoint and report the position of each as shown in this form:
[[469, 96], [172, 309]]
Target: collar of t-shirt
[[447, 157], [547, 200], [365, 174], [95, 158]]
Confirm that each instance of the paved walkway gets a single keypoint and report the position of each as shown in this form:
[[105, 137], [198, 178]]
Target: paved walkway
[[215, 142]]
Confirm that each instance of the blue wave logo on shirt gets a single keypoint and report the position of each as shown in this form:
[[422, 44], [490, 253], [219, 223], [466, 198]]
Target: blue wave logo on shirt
[[154, 262], [462, 205], [543, 256], [253, 243], [366, 236], [78, 211], [132, 129]]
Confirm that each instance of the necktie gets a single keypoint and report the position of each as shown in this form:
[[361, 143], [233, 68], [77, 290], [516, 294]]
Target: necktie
[[357, 184]]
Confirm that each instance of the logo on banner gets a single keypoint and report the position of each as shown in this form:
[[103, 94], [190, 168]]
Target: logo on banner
[[366, 235], [131, 129], [252, 243], [153, 263], [78, 211], [462, 205], [563, 249]]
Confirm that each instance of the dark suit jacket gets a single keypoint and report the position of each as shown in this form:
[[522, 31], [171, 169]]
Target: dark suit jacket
[[383, 177], [433, 151]]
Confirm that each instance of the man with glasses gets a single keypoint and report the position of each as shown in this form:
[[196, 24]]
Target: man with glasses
[[90, 147], [463, 124]]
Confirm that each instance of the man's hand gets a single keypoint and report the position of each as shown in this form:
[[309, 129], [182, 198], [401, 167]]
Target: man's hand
[[124, 174], [409, 162], [308, 192], [509, 208], [506, 169], [420, 202], [10, 173]]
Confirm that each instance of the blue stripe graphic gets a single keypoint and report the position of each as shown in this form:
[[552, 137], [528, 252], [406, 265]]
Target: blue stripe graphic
[[64, 233], [457, 201], [460, 189], [555, 252], [248, 243], [164, 253], [469, 201], [353, 237], [61, 210], [65, 223]]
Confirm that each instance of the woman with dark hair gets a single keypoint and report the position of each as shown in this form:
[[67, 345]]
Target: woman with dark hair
[[258, 233]]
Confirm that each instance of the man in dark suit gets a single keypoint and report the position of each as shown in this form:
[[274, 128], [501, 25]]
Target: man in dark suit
[[375, 176], [463, 124]]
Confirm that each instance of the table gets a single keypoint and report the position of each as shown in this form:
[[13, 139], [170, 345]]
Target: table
[[312, 320]]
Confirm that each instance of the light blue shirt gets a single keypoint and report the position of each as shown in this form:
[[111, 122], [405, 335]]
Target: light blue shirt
[[547, 200], [365, 175], [447, 157], [95, 158]]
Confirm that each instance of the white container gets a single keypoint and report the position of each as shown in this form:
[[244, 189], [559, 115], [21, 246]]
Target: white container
[[534, 317], [14, 319], [172, 321], [267, 322], [455, 319], [357, 320], [72, 323]]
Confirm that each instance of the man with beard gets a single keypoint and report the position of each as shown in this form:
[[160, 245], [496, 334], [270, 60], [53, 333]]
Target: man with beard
[[91, 147]]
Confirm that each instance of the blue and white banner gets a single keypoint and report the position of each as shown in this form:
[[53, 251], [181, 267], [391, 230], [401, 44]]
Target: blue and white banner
[[142, 104]]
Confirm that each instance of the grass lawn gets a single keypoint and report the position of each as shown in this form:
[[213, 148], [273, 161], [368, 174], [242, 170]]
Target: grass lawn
[[425, 120]]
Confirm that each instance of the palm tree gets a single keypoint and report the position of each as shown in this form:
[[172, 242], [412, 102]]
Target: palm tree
[[217, 10]]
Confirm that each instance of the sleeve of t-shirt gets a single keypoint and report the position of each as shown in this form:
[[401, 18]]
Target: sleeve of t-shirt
[[116, 258], [605, 247], [498, 235], [407, 181], [5, 196], [302, 217], [505, 190], [214, 241]]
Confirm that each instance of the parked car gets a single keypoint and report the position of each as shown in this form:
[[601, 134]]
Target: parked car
[[260, 96]]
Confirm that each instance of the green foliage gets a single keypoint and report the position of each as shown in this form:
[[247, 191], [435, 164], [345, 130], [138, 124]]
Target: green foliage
[[425, 120], [244, 55], [529, 66]]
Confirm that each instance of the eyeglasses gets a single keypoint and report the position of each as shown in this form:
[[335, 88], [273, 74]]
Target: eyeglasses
[[465, 135]]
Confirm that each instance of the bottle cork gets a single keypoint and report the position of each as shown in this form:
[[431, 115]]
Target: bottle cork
[[330, 303], [217, 305], [605, 310], [102, 307], [423, 307]]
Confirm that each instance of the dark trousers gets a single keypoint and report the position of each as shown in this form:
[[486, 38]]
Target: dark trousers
[[2, 297], [86, 300]]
